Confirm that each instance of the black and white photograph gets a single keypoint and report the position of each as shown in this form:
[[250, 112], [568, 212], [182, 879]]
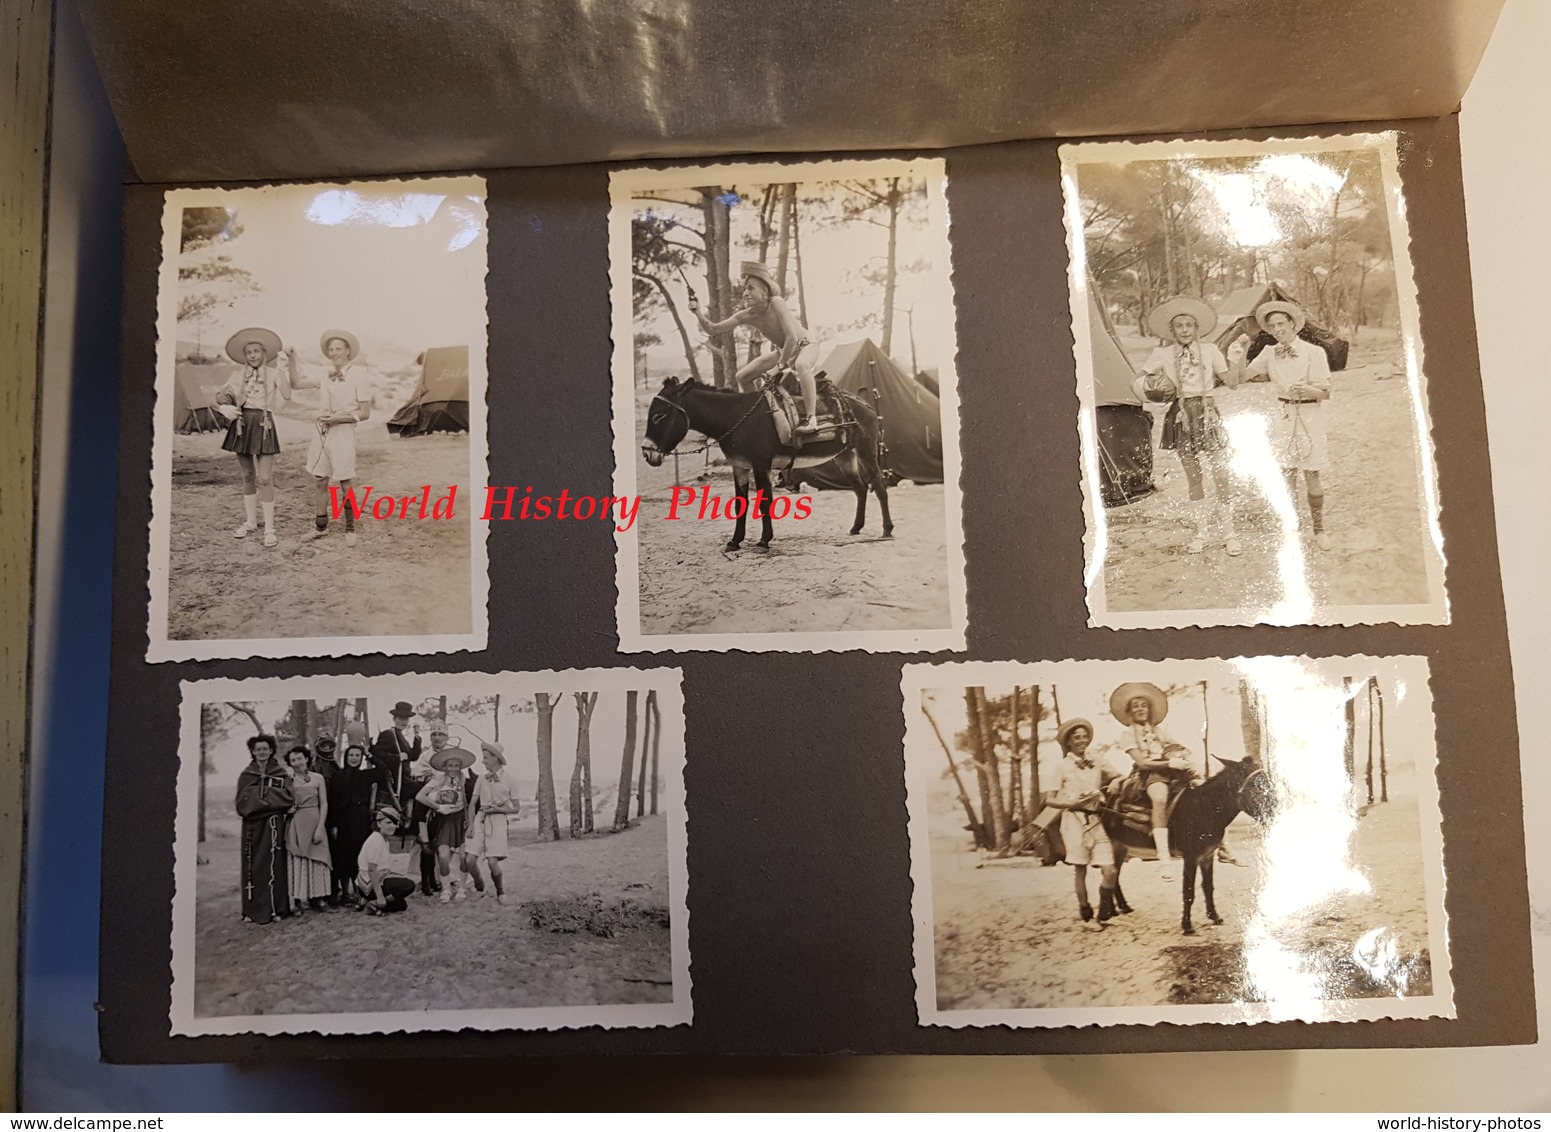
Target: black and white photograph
[[320, 421], [785, 408], [468, 851], [1188, 841], [1256, 441]]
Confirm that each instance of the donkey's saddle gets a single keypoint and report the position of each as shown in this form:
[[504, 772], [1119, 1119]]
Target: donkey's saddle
[[1126, 798], [830, 414]]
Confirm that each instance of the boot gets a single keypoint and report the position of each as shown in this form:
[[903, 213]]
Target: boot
[[1120, 901], [250, 517], [1160, 839], [1106, 904]]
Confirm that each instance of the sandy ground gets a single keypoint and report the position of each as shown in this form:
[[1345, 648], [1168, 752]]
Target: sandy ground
[[1008, 937], [1372, 511], [322, 589], [816, 576], [458, 956]]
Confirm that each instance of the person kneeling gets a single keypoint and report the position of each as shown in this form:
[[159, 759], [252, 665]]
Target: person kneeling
[[380, 885]]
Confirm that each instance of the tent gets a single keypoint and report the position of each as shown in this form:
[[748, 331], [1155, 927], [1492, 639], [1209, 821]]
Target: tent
[[1236, 316], [1124, 426], [912, 417], [193, 396], [441, 399]]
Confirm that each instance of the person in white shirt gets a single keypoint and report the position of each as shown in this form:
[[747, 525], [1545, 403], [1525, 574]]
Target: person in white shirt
[[382, 886], [1300, 374], [347, 401], [246, 402], [1079, 795], [1185, 373], [494, 806]]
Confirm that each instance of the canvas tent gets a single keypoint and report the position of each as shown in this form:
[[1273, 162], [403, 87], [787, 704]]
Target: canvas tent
[[912, 417], [440, 402], [193, 396], [1124, 426], [1236, 316]]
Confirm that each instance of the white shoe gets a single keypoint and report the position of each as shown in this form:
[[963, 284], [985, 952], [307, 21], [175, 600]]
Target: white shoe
[[314, 535], [349, 538], [1322, 540], [270, 539], [462, 895], [446, 896], [1234, 547], [244, 531], [501, 899]]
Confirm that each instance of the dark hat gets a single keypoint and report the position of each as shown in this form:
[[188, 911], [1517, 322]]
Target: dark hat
[[402, 710]]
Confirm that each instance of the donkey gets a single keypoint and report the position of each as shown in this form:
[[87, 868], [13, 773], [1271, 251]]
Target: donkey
[[1197, 824], [742, 426]]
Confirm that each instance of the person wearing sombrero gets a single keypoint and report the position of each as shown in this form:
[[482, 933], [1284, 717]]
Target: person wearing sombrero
[[1300, 375], [1185, 374], [494, 806], [1078, 794], [247, 402], [446, 795], [765, 310], [347, 401], [1161, 763]]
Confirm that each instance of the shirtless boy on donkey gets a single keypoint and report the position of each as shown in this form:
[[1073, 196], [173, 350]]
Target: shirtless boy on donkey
[[766, 311]]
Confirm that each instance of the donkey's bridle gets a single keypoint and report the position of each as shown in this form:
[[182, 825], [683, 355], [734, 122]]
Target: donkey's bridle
[[671, 404], [1243, 786]]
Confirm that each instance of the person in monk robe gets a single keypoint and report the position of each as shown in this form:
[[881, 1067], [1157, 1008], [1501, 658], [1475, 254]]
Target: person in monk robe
[[264, 799]]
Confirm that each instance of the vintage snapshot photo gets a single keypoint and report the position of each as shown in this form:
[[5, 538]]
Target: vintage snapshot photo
[[320, 421], [1185, 841], [500, 851], [785, 408], [1255, 434]]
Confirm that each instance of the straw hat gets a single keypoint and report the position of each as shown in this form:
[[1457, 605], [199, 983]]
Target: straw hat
[[495, 749], [350, 341], [1120, 701], [1065, 731], [1159, 318], [265, 338], [1265, 310], [443, 759], [752, 269]]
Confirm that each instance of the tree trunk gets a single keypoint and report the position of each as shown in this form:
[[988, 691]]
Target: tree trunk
[[802, 291], [678, 321], [976, 827], [788, 205], [1351, 734], [497, 738], [585, 702], [724, 353], [895, 201], [640, 786], [1034, 790], [1016, 777], [622, 805], [205, 719], [1368, 774], [980, 725], [549, 818], [655, 713]]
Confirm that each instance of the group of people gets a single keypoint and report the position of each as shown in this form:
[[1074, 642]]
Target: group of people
[[1185, 373], [316, 828], [247, 403], [1163, 768]]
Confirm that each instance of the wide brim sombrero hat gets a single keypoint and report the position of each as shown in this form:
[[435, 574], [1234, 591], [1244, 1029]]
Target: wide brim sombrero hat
[[1160, 316], [265, 338], [753, 269], [443, 758], [344, 336], [494, 749], [1292, 310], [1065, 730], [1120, 699]]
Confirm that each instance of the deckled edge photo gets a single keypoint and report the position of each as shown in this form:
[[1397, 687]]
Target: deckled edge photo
[[1434, 611], [160, 647], [923, 759], [667, 682], [627, 430]]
